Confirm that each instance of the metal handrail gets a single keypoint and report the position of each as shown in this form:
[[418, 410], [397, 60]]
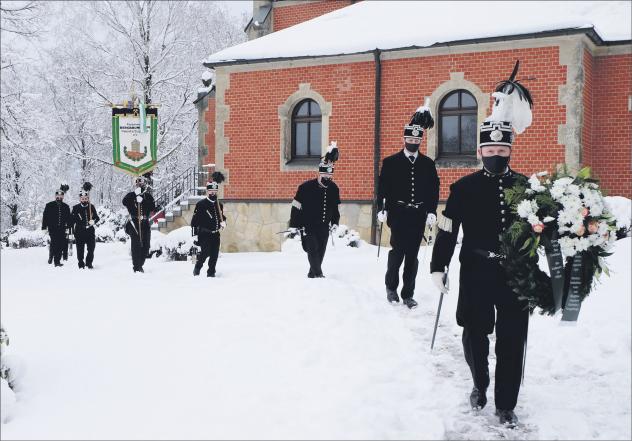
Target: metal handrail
[[185, 184]]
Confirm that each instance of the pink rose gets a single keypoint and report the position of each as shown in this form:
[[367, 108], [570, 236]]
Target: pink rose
[[581, 231], [538, 228], [585, 211], [593, 227]]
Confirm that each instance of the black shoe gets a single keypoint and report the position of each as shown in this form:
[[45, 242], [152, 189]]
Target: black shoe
[[391, 296], [59, 264], [90, 266], [320, 276], [81, 265], [410, 302], [210, 274], [196, 271], [311, 275], [507, 418], [50, 260], [478, 399], [140, 270]]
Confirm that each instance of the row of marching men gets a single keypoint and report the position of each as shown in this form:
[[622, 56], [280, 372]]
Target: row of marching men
[[408, 196], [65, 225]]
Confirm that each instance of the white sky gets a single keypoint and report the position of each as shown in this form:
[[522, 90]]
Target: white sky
[[237, 7]]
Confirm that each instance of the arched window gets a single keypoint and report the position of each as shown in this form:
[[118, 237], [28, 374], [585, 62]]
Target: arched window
[[306, 130], [457, 124]]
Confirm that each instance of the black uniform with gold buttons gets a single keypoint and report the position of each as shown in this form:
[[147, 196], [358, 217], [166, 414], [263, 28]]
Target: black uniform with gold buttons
[[315, 207], [57, 219], [477, 204], [410, 185]]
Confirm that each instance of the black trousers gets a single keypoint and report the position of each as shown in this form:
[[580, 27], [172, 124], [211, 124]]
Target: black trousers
[[405, 243], [495, 305], [84, 241], [140, 244], [58, 243], [209, 244], [315, 244]]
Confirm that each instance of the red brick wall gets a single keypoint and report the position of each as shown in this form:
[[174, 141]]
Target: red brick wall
[[407, 81], [612, 123], [253, 128], [286, 16], [209, 137]]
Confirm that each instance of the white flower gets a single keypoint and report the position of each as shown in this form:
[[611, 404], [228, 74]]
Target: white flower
[[526, 207], [573, 189], [535, 184], [533, 219], [542, 173], [582, 244], [567, 246], [548, 219]]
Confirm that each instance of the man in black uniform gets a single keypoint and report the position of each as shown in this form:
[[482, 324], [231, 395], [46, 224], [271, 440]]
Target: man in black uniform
[[84, 218], [315, 212], [57, 219], [207, 222], [140, 204], [408, 194], [477, 203]]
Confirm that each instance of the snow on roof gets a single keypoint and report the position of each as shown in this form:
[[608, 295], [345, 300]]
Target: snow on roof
[[370, 25]]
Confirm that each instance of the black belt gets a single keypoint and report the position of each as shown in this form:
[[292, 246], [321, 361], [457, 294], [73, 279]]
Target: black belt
[[410, 204], [488, 254]]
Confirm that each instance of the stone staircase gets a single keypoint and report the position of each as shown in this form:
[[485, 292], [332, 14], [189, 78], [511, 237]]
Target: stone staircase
[[177, 200]]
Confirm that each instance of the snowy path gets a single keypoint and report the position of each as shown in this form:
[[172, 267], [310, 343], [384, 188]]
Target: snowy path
[[262, 352]]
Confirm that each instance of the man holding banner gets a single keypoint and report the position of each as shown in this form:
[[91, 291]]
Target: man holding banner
[[477, 203], [140, 204]]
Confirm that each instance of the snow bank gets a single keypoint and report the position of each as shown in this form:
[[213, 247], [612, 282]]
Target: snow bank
[[175, 245], [7, 400], [402, 24], [20, 237]]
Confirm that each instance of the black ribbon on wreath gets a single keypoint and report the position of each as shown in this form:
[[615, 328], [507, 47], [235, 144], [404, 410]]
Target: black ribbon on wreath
[[575, 277], [556, 270]]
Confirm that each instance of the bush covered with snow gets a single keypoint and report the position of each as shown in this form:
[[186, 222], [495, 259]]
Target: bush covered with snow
[[111, 225], [20, 237], [349, 237], [175, 245], [621, 208]]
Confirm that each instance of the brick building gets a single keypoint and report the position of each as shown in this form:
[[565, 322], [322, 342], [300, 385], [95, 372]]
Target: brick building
[[316, 71]]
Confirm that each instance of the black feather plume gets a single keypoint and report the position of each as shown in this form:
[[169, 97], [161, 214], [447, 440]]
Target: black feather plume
[[64, 187], [508, 86], [87, 186], [218, 177], [423, 117], [332, 156]]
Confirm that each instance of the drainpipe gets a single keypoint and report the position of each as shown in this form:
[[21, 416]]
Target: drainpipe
[[376, 146]]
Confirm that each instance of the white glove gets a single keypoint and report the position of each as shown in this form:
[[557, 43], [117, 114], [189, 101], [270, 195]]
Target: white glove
[[431, 219], [139, 199], [71, 237], [222, 225], [333, 228], [437, 279], [138, 190], [381, 216], [91, 222], [292, 230]]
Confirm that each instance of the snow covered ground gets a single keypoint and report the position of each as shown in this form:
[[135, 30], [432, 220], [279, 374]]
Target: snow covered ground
[[263, 352]]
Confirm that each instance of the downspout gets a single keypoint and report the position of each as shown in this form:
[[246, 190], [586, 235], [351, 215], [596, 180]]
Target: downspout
[[376, 146]]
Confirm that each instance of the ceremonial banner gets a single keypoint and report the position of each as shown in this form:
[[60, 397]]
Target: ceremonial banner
[[134, 147]]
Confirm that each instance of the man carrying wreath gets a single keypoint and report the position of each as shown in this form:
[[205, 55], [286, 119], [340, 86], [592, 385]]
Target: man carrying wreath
[[477, 203]]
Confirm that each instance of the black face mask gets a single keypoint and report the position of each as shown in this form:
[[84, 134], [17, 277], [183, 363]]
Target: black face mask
[[495, 164], [412, 148], [84, 204], [325, 181]]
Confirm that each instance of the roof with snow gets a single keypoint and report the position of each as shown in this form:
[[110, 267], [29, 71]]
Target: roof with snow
[[389, 25]]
